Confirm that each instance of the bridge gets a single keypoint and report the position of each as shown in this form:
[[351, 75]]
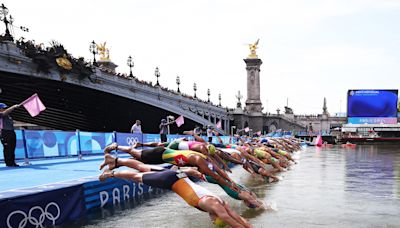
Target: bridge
[[90, 97]]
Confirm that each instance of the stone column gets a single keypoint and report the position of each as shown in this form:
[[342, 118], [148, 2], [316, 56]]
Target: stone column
[[253, 102], [228, 127]]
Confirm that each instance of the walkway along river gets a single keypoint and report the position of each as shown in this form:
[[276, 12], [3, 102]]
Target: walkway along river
[[331, 187]]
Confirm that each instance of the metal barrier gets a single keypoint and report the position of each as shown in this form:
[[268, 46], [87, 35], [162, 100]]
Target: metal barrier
[[35, 144]]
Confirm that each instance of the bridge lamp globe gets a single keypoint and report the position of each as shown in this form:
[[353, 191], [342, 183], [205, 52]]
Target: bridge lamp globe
[[157, 74], [130, 63], [178, 82], [3, 11]]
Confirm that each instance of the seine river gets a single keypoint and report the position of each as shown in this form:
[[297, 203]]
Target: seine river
[[333, 187]]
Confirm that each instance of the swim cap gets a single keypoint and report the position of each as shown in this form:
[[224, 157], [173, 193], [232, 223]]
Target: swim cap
[[2, 105], [219, 222], [264, 140], [211, 149]]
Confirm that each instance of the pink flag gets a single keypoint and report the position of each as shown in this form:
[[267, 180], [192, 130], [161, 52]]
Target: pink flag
[[247, 129], [319, 140], [33, 105], [219, 124], [258, 133], [179, 121]]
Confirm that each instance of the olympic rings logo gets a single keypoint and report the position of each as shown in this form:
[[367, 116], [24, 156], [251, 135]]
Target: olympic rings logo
[[38, 222], [131, 140]]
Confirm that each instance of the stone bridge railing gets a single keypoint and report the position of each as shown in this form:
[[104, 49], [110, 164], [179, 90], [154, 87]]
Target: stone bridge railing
[[13, 60]]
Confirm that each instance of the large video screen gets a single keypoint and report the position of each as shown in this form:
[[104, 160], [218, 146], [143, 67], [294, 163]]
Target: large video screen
[[372, 106]]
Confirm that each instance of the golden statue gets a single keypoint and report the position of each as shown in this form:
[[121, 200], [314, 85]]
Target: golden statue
[[253, 47], [64, 62], [103, 51]]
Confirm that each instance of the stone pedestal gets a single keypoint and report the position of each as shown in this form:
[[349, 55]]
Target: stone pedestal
[[107, 65], [256, 121]]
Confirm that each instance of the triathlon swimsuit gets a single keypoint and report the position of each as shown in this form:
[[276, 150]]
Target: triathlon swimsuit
[[281, 152], [229, 191], [260, 154], [159, 155], [153, 155], [219, 145], [178, 157], [188, 145], [255, 166], [180, 184]]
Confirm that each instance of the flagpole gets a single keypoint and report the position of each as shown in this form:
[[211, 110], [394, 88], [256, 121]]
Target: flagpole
[[22, 103]]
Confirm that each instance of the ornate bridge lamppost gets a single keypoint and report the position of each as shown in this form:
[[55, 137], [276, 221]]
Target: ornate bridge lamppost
[[130, 64], [208, 93], [219, 98], [239, 97], [157, 74], [94, 51], [195, 89], [178, 82], [9, 20]]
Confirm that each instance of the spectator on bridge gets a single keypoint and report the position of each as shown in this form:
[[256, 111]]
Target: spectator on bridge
[[7, 134], [209, 133], [164, 129], [137, 127]]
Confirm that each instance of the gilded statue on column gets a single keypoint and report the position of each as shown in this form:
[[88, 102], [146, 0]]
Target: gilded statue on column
[[253, 47], [103, 51]]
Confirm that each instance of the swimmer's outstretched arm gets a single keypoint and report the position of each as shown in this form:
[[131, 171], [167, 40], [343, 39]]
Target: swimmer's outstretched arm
[[203, 168], [237, 217], [216, 209], [219, 138], [228, 157], [251, 157], [196, 136], [215, 158]]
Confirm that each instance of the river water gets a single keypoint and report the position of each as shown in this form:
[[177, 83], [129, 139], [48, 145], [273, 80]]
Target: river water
[[332, 187]]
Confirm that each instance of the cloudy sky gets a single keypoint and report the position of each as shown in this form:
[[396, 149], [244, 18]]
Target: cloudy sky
[[310, 49]]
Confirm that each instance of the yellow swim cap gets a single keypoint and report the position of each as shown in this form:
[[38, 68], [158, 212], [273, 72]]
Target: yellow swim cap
[[211, 149], [219, 223]]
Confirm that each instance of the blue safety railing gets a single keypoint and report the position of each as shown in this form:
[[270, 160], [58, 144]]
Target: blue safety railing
[[314, 133], [34, 144]]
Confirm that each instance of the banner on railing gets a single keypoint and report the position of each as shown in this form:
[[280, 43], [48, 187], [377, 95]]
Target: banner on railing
[[152, 138], [51, 143], [128, 139], [94, 142]]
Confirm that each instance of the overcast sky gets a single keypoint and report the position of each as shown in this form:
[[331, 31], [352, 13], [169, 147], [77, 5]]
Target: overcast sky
[[310, 49]]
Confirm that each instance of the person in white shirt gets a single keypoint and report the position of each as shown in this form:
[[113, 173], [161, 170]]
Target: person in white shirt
[[137, 128]]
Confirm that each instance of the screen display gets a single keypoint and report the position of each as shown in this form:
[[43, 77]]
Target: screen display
[[372, 103]]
